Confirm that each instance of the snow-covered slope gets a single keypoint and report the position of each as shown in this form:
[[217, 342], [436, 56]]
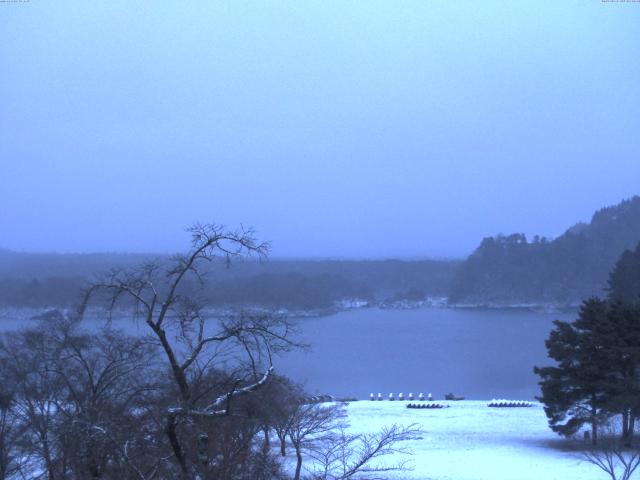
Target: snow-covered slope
[[470, 441]]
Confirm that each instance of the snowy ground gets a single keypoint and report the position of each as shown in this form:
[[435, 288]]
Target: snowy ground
[[470, 441]]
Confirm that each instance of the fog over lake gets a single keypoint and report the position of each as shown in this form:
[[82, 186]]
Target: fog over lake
[[223, 223]]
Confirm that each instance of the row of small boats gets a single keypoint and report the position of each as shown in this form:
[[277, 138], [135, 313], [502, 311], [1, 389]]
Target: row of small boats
[[400, 397], [509, 403], [429, 405]]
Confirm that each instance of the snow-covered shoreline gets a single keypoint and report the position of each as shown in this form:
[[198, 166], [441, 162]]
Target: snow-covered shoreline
[[21, 314], [470, 441]]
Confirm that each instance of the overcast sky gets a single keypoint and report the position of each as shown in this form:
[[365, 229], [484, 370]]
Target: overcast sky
[[336, 129]]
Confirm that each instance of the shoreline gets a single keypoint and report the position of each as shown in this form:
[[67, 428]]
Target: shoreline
[[39, 313]]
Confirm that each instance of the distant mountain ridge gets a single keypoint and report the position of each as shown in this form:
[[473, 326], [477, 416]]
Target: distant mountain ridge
[[56, 280], [503, 270], [507, 270]]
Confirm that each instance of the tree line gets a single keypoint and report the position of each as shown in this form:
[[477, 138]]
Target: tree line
[[509, 269], [597, 373], [195, 398], [53, 281]]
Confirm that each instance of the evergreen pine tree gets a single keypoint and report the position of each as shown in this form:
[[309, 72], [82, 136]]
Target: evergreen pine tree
[[624, 279], [619, 339], [597, 371], [574, 391]]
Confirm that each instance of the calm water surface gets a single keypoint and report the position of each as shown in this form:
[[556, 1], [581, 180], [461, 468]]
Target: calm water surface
[[478, 353]]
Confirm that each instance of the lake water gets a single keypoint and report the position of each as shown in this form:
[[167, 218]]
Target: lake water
[[477, 353]]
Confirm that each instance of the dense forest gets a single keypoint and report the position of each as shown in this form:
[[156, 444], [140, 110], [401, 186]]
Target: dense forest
[[512, 269], [503, 270], [56, 280]]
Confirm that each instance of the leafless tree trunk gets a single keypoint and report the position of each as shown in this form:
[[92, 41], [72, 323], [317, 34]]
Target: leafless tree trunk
[[298, 450], [310, 425], [25, 359], [266, 443], [178, 320], [594, 421], [345, 456], [282, 438], [11, 457]]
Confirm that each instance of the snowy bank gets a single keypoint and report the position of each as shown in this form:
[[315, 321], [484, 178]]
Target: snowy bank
[[471, 441]]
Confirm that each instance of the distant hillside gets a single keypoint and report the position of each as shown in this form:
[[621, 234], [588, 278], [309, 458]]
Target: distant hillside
[[511, 269], [40, 280], [502, 270]]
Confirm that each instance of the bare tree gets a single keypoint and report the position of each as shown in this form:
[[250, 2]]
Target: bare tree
[[25, 358], [345, 456], [175, 314], [280, 402], [619, 462], [80, 403], [310, 425], [11, 456], [103, 418], [320, 431], [617, 457]]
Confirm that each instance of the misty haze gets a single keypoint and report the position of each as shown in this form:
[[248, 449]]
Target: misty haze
[[319, 240]]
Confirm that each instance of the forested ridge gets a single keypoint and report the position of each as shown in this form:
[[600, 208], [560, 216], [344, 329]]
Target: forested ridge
[[510, 269], [56, 280], [503, 270]]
